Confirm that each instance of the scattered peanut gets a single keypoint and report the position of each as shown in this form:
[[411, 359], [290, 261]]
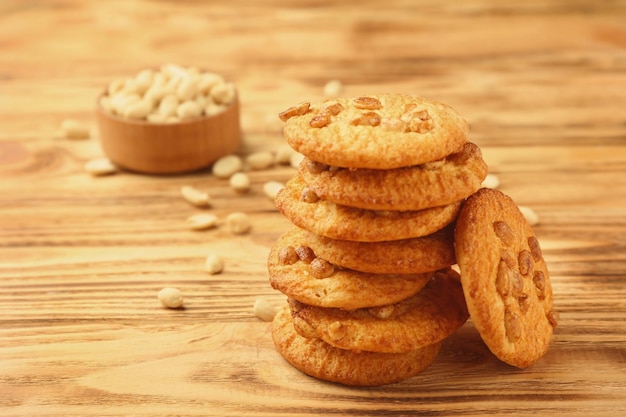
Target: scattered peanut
[[202, 221], [333, 88], [239, 223], [195, 197], [100, 166], [227, 166], [295, 159], [530, 215], [491, 181], [170, 297], [260, 160], [264, 310], [271, 188], [283, 154], [73, 129], [240, 182], [213, 264]]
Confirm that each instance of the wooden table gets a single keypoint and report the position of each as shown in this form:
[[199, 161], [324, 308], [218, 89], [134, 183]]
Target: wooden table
[[542, 83]]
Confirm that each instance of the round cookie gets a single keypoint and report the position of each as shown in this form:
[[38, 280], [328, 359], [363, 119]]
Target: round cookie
[[428, 317], [432, 184], [505, 278], [407, 256], [380, 131], [348, 223], [320, 360], [306, 281]]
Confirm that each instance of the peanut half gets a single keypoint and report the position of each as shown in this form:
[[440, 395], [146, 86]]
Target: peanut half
[[264, 310], [195, 197], [170, 297]]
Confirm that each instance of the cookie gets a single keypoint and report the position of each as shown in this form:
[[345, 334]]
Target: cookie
[[410, 188], [428, 317], [505, 278], [407, 256], [381, 131], [320, 360], [335, 221], [295, 271]]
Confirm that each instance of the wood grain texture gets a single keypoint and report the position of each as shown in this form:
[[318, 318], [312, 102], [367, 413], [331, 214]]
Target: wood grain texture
[[542, 83]]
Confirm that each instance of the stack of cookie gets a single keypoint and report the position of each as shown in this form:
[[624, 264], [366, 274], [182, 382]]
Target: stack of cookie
[[367, 266]]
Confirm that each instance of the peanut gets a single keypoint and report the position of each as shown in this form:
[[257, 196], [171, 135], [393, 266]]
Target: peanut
[[239, 223], [170, 297], [138, 110], [168, 105], [73, 129], [100, 166], [271, 188], [202, 221], [195, 197], [223, 93], [188, 110], [226, 166], [264, 310], [213, 264], [491, 181], [530, 215], [333, 88], [283, 154], [240, 182], [260, 160], [295, 159]]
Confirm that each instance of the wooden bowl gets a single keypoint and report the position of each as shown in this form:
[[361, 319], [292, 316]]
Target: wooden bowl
[[169, 148]]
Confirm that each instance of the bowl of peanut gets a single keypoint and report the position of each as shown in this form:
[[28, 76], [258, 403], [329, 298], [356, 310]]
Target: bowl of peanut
[[169, 120]]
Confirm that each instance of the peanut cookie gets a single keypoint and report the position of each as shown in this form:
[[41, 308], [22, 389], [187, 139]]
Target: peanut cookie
[[297, 272], [407, 256], [505, 278], [432, 184], [382, 131], [428, 317], [320, 360], [305, 210]]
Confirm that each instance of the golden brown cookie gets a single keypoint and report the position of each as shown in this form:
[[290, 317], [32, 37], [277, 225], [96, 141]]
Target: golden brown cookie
[[348, 223], [381, 131], [428, 317], [320, 360], [505, 278], [407, 256], [297, 272], [410, 188]]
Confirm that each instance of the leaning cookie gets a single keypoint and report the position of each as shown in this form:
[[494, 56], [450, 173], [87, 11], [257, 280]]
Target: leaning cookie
[[411, 188], [305, 210], [297, 272], [320, 360], [428, 317], [381, 131], [505, 278], [407, 256]]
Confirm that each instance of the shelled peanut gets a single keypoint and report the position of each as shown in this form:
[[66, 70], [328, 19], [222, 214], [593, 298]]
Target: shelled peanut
[[170, 94]]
